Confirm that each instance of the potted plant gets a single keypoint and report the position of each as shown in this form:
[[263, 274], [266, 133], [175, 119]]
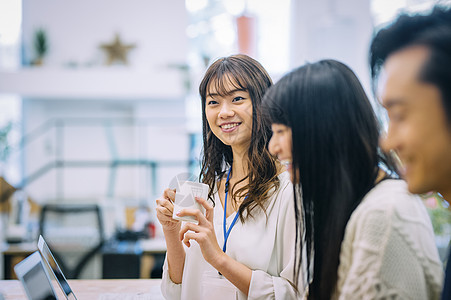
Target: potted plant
[[40, 45]]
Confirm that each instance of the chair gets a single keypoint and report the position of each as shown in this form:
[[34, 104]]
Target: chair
[[69, 224]]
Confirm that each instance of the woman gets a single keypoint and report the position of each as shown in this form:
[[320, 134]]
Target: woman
[[248, 194], [365, 236]]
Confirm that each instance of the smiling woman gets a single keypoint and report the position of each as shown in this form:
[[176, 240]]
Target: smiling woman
[[243, 247]]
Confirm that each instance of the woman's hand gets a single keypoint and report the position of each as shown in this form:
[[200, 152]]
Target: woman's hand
[[164, 209], [203, 232]]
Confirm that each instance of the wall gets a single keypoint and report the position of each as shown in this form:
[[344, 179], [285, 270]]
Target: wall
[[339, 29], [75, 30]]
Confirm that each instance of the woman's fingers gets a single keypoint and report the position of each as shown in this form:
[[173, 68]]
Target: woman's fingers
[[188, 236], [208, 208], [165, 206], [164, 209], [203, 234], [169, 194], [189, 227], [163, 213], [194, 213], [201, 218], [194, 232]]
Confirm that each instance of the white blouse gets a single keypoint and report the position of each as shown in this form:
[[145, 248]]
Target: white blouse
[[264, 243]]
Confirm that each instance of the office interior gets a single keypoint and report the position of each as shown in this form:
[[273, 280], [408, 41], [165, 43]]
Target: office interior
[[99, 111]]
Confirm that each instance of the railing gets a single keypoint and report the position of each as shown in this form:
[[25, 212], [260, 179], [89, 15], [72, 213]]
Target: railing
[[114, 160]]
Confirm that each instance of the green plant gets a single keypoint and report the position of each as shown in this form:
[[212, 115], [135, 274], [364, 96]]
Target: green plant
[[5, 148], [439, 214], [40, 42]]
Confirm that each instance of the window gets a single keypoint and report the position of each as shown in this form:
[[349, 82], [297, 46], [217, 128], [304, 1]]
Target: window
[[385, 11], [213, 30], [10, 105]]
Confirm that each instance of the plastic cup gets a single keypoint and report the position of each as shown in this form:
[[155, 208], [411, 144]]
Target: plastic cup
[[184, 198]]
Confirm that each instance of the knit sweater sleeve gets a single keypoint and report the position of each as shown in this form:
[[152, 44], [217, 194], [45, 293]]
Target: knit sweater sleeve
[[389, 252]]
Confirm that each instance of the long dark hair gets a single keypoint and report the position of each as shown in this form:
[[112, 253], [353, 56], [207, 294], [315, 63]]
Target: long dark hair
[[335, 159], [244, 73]]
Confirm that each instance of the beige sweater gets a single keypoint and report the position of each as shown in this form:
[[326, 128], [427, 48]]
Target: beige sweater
[[389, 251]]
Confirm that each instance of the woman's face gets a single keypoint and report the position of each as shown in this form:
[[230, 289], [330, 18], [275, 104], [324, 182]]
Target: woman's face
[[280, 145], [230, 115]]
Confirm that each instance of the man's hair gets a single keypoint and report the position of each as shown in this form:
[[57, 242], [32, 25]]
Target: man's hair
[[432, 31]]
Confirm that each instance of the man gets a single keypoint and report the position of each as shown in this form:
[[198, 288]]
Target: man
[[414, 55]]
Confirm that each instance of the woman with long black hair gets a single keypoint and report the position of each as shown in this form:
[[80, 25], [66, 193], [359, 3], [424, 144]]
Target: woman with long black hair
[[364, 235], [243, 247]]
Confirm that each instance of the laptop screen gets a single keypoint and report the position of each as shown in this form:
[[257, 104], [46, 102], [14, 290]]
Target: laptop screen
[[34, 278], [51, 262]]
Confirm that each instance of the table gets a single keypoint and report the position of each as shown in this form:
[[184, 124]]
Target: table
[[91, 289]]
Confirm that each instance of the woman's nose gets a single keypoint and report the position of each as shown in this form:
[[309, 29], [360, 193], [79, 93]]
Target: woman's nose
[[272, 146], [226, 111]]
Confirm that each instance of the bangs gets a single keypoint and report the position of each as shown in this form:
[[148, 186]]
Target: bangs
[[273, 109], [222, 81]]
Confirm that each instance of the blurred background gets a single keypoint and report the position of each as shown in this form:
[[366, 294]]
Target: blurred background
[[99, 110]]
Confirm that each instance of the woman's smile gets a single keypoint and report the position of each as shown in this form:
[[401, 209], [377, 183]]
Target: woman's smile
[[229, 127]]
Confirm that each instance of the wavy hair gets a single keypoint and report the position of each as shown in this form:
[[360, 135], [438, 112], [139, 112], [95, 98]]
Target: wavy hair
[[335, 160], [244, 73]]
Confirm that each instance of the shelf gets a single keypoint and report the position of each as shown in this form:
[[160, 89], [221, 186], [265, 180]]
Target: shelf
[[110, 83]]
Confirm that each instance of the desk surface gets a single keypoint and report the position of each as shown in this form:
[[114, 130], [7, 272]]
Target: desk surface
[[91, 289]]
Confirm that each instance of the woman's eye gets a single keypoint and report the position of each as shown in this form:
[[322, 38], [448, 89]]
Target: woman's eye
[[279, 132], [396, 117], [211, 102], [237, 99]]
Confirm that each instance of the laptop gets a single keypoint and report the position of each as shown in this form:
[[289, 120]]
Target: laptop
[[34, 277], [56, 270], [36, 280]]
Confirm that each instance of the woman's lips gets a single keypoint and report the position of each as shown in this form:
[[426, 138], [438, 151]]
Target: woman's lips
[[229, 127]]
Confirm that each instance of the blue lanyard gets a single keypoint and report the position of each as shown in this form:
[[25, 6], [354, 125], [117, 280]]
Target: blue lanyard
[[227, 232]]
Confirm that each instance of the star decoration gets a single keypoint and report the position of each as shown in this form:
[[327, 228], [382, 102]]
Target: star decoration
[[117, 51]]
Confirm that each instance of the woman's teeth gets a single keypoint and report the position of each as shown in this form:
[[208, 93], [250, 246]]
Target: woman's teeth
[[228, 126]]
